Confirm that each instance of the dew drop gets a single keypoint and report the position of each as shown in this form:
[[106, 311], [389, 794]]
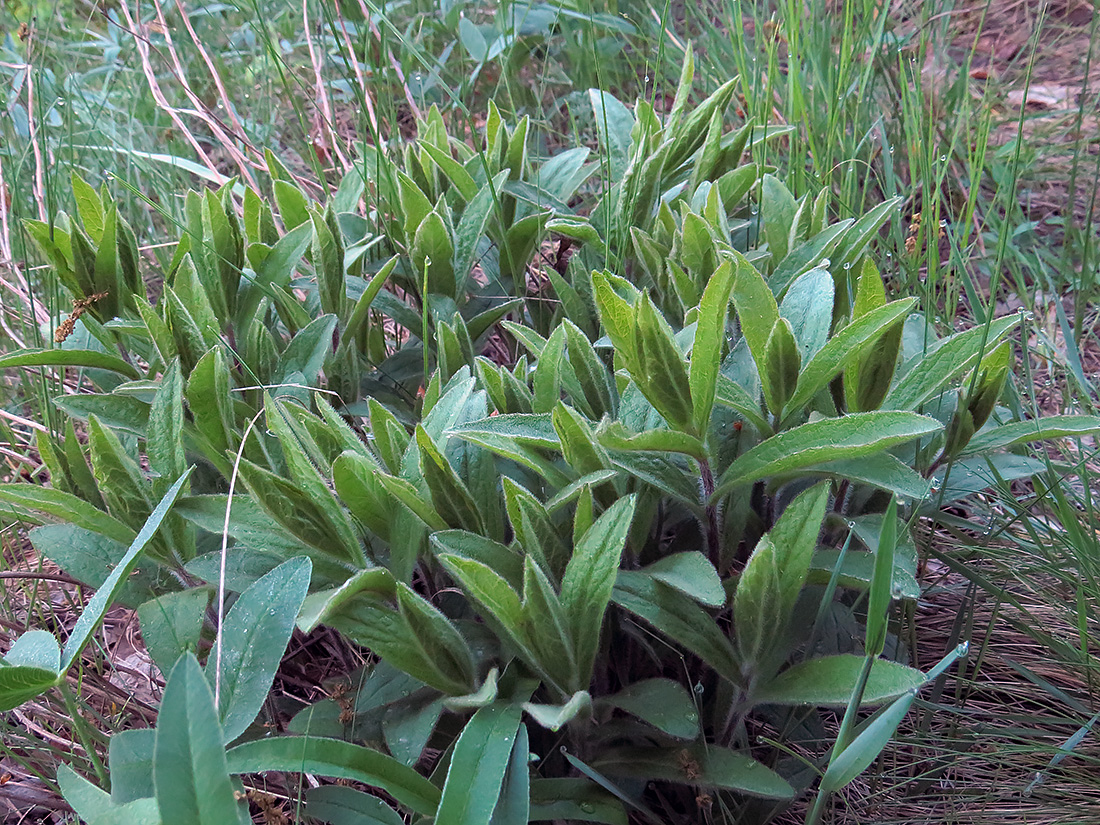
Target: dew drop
[[943, 158]]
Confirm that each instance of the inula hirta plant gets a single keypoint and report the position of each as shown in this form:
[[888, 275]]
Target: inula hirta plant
[[621, 535]]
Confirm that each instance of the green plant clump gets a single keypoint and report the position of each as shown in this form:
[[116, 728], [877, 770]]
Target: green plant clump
[[592, 574]]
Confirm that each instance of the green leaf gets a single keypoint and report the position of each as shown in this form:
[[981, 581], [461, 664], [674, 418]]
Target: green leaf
[[306, 519], [710, 338], [253, 638], [437, 636], [432, 250], [503, 560], [275, 271], [678, 617], [117, 475], [88, 801], [407, 728], [20, 683], [339, 760], [90, 558], [293, 206], [131, 757], [328, 263], [935, 369], [471, 227], [808, 306], [450, 496], [209, 400], [98, 605], [303, 459], [862, 232], [666, 705], [829, 439], [756, 309], [614, 436], [773, 577], [65, 506], [578, 442], [320, 606], [171, 624], [355, 478], [91, 359], [307, 350], [407, 494], [340, 805], [200, 303], [31, 667], [34, 648], [546, 379], [692, 574], [777, 208], [548, 626], [164, 440], [828, 682], [878, 600], [223, 254], [358, 318], [484, 695], [661, 376], [618, 317], [189, 766], [456, 173], [865, 748], [845, 347], [590, 577], [614, 124], [89, 207], [574, 800], [738, 399], [514, 803], [782, 363], [555, 717], [500, 604], [1026, 432], [119, 412], [535, 430], [700, 765], [883, 471], [534, 530], [249, 524], [478, 765], [977, 473], [592, 375]]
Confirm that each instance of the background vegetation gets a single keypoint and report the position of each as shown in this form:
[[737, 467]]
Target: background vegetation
[[972, 129]]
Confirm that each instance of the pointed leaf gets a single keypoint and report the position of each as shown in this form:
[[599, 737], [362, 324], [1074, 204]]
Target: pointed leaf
[[253, 638], [339, 760], [478, 765], [189, 767], [829, 439]]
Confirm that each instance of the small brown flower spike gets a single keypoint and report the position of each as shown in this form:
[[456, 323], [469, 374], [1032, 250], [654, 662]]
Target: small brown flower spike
[[80, 306]]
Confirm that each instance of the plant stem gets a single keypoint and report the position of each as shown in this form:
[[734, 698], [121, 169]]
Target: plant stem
[[86, 735], [714, 546]]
